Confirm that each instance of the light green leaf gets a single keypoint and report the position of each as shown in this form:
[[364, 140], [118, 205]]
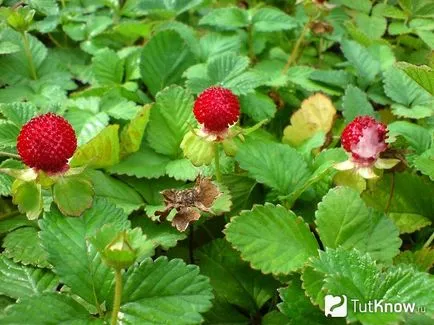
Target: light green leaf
[[47, 7], [175, 6], [73, 195], [258, 106], [409, 222], [115, 191], [403, 90], [19, 281], [271, 20], [276, 165], [356, 103], [272, 231], [164, 58], [226, 18], [23, 245], [350, 273], [418, 138], [28, 197], [169, 120], [297, 306], [425, 163], [406, 199], [343, 220], [232, 278], [422, 260], [215, 44], [143, 163], [422, 74], [373, 26], [366, 65], [15, 68], [101, 151], [132, 133], [75, 261], [361, 5], [63, 310], [8, 134], [227, 66], [182, 170], [107, 68], [18, 113], [164, 291]]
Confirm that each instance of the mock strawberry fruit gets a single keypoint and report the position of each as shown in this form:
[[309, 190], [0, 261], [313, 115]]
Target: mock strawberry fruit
[[365, 139], [216, 108], [46, 143]]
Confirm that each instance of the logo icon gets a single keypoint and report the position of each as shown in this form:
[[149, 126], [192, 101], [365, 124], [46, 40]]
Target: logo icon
[[335, 306]]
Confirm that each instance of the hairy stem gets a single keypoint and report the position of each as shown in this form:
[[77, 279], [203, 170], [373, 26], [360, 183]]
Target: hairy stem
[[29, 55], [218, 174], [294, 54], [9, 155], [429, 241], [118, 296]]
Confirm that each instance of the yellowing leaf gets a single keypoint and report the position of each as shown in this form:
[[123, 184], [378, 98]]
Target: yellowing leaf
[[132, 134], [316, 114]]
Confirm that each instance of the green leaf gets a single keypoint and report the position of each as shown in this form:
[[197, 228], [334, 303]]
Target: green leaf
[[268, 164], [62, 310], [258, 106], [175, 6], [232, 278], [403, 90], [373, 26], [8, 134], [361, 5], [164, 58], [355, 103], [223, 312], [101, 151], [132, 134], [408, 222], [28, 197], [350, 273], [182, 170], [418, 138], [19, 281], [243, 190], [273, 239], [15, 68], [343, 220], [23, 245], [215, 44], [18, 113], [160, 234], [227, 66], [425, 163], [366, 65], [406, 200], [73, 195], [226, 18], [115, 191], [422, 74], [164, 291], [169, 120], [297, 306], [422, 259], [107, 68], [87, 125], [271, 20], [47, 7], [75, 261]]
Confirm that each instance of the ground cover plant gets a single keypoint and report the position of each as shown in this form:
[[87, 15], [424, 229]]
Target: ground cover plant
[[217, 162]]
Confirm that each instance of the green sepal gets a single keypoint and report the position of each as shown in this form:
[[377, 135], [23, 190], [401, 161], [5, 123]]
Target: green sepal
[[73, 194], [28, 197], [19, 19], [197, 149]]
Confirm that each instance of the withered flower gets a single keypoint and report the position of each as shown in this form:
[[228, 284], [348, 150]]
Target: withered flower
[[189, 203]]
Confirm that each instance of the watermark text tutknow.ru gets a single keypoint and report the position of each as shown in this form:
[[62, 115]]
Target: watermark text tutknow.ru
[[337, 306]]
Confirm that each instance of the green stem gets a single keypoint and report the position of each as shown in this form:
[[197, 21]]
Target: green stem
[[118, 296], [429, 241], [9, 155], [294, 54], [29, 55], [218, 174], [250, 41]]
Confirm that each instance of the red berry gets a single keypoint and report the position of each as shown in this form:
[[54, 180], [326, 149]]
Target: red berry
[[217, 108], [46, 143], [365, 139]]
